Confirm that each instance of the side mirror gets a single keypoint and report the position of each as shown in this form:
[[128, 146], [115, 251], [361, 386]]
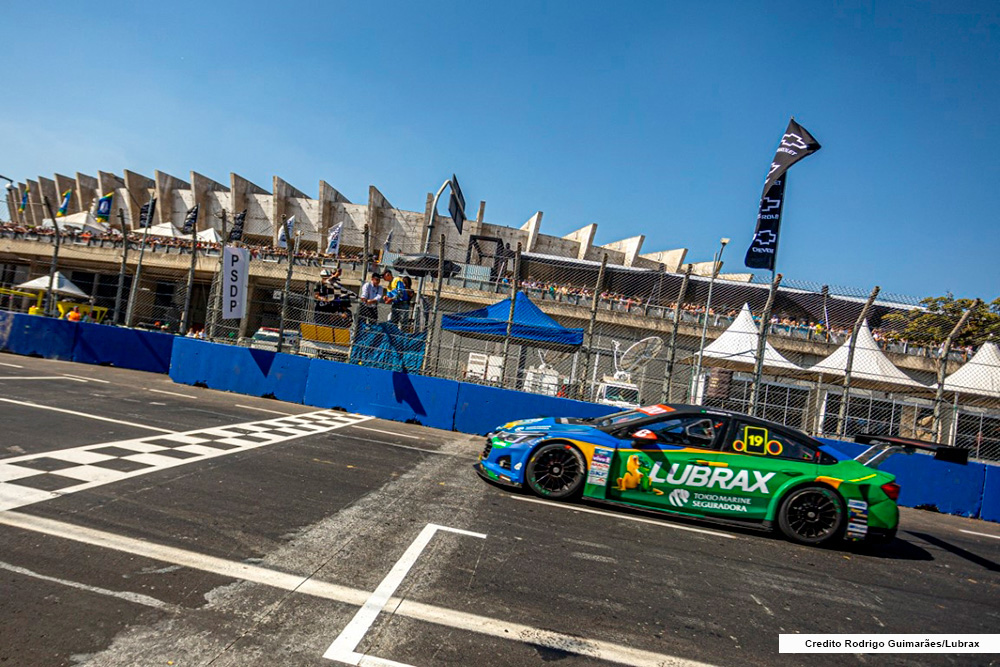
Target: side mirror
[[644, 434]]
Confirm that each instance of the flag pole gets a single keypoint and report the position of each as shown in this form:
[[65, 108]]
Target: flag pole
[[134, 291]]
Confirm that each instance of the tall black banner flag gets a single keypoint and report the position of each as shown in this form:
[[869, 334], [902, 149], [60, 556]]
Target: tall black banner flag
[[146, 212], [236, 233], [764, 246], [456, 204], [796, 144], [190, 220]]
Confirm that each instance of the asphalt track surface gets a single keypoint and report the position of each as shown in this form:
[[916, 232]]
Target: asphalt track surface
[[374, 543]]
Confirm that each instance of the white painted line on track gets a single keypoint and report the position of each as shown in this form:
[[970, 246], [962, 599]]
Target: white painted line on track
[[378, 430], [273, 412], [11, 365], [626, 517], [88, 416], [399, 446], [972, 532], [419, 611], [171, 393], [137, 598], [86, 379], [342, 648], [43, 377]]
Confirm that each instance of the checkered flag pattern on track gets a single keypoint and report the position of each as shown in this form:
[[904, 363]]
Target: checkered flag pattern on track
[[43, 476]]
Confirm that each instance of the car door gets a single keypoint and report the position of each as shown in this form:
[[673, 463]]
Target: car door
[[756, 461], [655, 460]]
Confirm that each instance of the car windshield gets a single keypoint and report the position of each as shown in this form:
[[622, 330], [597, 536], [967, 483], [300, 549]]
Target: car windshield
[[619, 418]]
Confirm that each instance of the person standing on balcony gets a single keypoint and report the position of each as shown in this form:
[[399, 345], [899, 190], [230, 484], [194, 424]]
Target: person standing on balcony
[[371, 293]]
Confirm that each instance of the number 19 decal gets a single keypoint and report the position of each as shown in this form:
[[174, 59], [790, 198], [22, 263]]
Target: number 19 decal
[[755, 441]]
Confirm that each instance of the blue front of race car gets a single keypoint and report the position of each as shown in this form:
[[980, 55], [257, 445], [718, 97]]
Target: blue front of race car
[[507, 449]]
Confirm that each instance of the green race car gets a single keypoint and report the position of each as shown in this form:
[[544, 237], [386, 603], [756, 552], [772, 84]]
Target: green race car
[[708, 463]]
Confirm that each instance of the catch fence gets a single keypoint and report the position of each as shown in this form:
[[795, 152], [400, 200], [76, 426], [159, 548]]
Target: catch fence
[[831, 361]]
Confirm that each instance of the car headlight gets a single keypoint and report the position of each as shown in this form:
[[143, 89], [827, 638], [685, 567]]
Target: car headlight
[[516, 438]]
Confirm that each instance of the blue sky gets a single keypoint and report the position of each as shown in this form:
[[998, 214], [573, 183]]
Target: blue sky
[[653, 118]]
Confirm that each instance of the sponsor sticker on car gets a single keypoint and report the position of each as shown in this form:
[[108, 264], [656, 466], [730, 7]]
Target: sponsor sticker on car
[[599, 466]]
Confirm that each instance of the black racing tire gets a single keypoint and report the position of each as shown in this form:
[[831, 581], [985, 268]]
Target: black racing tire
[[812, 515], [556, 470]]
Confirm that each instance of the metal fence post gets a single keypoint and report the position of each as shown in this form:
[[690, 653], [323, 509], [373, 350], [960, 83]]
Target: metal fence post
[[438, 333], [134, 292], [515, 287], [943, 366], [124, 267], [765, 324], [213, 313], [581, 392], [672, 353], [290, 256], [50, 301], [846, 398], [186, 317]]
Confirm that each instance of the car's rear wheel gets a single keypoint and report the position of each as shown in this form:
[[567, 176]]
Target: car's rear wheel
[[812, 515], [556, 470]]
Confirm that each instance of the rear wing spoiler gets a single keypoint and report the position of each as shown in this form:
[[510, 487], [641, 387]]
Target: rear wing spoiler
[[882, 446]]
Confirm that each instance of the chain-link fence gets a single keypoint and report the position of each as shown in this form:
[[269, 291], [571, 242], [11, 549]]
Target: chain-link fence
[[830, 361]]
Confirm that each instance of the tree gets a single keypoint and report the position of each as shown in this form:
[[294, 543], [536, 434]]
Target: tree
[[939, 315]]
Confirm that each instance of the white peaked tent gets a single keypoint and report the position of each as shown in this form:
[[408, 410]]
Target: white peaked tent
[[870, 367], [84, 221], [163, 229], [209, 235], [737, 347], [980, 375], [61, 285]]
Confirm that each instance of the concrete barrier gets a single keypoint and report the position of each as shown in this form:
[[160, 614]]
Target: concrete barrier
[[481, 409], [239, 369], [37, 336], [123, 348], [381, 393]]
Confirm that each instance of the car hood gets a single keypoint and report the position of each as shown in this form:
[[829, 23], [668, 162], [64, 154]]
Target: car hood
[[554, 426]]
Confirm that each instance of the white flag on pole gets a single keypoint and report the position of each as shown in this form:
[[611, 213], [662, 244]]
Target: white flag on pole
[[286, 232], [333, 247]]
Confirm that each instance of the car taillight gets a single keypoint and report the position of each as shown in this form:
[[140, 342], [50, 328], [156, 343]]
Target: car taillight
[[891, 489]]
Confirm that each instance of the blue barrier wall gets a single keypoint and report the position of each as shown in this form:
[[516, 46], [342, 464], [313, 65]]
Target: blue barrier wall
[[239, 369], [481, 409], [37, 336], [991, 494], [924, 481], [124, 348], [386, 394]]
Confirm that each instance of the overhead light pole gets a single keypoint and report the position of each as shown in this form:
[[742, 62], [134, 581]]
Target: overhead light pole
[[716, 265], [54, 267], [12, 196]]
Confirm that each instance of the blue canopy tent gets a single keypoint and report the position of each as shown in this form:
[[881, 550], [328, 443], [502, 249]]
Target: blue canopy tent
[[529, 326]]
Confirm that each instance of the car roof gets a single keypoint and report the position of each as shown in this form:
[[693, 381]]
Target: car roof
[[686, 407]]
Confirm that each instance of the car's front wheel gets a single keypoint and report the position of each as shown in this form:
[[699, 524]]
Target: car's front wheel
[[812, 515], [556, 470]]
